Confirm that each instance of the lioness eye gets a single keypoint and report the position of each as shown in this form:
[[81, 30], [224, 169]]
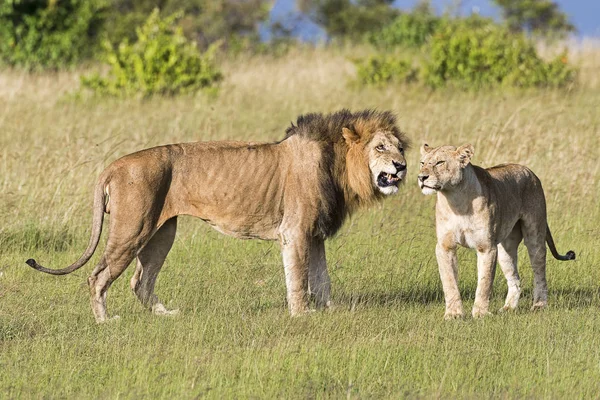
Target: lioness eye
[[440, 162], [380, 148]]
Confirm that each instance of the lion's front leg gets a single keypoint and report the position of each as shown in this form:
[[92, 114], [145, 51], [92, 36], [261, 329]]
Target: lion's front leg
[[319, 283], [296, 255], [448, 266], [486, 268]]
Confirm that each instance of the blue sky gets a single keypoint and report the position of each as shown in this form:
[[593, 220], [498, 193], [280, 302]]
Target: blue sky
[[584, 14]]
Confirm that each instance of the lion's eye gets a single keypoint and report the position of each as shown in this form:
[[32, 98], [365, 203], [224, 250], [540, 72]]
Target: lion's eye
[[440, 162], [380, 148]]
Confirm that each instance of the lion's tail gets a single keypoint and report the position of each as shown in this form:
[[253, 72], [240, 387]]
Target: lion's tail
[[99, 198], [570, 254]]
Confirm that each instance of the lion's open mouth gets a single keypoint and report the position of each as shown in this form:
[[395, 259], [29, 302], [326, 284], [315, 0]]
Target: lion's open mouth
[[384, 179]]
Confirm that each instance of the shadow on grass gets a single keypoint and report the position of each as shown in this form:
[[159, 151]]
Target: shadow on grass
[[416, 295], [559, 298]]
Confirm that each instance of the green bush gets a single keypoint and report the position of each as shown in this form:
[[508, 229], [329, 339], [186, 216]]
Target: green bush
[[380, 70], [487, 55], [48, 34], [161, 61], [407, 30]]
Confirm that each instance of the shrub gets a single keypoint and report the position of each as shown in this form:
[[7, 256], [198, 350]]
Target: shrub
[[161, 61], [53, 34], [379, 70], [488, 54], [407, 30]]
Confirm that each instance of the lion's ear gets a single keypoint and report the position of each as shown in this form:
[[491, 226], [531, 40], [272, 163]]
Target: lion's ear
[[425, 149], [465, 153], [350, 136]]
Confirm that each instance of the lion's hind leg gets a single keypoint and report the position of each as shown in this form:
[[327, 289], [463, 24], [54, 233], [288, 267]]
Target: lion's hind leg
[[111, 266], [149, 263], [123, 243], [534, 235], [507, 258]]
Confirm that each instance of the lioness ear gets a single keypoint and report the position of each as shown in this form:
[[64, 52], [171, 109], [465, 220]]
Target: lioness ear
[[350, 136], [465, 152], [425, 149]]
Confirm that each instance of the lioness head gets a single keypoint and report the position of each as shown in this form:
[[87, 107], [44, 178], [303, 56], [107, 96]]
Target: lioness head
[[384, 153], [442, 167]]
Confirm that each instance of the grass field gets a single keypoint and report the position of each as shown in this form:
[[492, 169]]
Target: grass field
[[385, 338]]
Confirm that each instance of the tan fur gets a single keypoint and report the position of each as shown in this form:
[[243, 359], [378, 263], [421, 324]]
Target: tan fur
[[297, 191], [489, 210]]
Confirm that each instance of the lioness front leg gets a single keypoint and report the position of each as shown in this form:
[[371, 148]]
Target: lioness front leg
[[486, 265], [296, 255], [448, 267], [319, 283]]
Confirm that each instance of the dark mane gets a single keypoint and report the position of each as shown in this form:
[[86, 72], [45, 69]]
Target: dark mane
[[338, 199], [328, 127]]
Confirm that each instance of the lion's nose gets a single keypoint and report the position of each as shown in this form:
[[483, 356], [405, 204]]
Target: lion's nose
[[423, 178], [399, 166]]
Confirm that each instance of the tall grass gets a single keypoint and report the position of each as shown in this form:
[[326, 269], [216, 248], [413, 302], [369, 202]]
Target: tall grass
[[385, 338]]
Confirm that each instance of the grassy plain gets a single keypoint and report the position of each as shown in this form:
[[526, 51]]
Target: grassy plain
[[233, 339]]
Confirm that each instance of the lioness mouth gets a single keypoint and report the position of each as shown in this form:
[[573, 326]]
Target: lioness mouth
[[384, 179], [431, 187]]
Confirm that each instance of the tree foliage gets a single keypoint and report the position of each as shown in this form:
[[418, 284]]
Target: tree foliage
[[541, 17], [409, 29], [37, 34], [349, 18], [204, 21]]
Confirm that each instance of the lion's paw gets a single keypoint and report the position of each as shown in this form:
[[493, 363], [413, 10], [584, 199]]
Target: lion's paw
[[540, 305], [160, 309], [114, 318]]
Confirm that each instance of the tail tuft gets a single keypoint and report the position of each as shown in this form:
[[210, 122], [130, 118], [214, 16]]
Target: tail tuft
[[570, 255], [31, 262]]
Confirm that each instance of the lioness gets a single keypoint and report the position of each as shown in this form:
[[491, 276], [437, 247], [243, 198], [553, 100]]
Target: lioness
[[490, 210], [297, 191]]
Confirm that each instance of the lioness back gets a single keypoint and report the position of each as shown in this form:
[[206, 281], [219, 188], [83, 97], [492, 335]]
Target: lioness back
[[512, 184]]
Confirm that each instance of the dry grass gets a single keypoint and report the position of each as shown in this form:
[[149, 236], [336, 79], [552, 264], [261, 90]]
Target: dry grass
[[234, 339]]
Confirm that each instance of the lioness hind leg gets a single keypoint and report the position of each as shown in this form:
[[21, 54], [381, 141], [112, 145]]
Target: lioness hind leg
[[507, 258], [149, 262], [534, 235], [319, 283]]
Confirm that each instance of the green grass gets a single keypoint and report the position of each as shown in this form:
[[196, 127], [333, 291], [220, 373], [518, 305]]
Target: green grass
[[385, 338]]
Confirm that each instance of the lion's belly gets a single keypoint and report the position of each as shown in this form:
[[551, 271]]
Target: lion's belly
[[245, 226]]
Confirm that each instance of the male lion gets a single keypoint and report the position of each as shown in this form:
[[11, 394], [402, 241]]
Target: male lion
[[298, 191], [490, 210]]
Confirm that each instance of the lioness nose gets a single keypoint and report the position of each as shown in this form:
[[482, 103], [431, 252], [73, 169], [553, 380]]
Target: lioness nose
[[423, 178], [399, 166]]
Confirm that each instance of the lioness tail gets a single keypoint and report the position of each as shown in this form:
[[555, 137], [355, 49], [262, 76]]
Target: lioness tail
[[97, 220], [570, 254]]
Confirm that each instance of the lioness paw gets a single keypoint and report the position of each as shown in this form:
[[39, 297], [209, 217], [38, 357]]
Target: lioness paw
[[450, 315], [479, 313], [507, 308]]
